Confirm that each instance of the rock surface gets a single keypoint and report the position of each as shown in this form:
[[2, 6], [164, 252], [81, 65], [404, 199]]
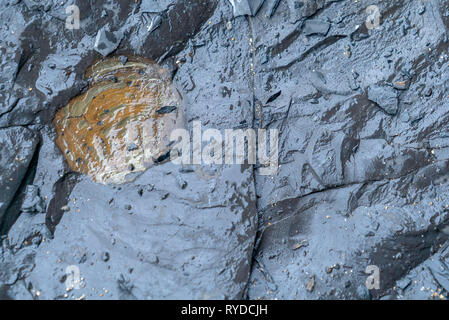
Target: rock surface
[[362, 116], [17, 146]]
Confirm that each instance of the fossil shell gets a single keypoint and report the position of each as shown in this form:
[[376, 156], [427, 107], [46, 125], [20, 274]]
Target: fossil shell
[[121, 125]]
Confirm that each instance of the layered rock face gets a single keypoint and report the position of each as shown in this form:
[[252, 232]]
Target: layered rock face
[[358, 92]]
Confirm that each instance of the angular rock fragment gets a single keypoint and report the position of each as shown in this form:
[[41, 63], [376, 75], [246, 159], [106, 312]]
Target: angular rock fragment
[[33, 202], [166, 109], [274, 96], [316, 27], [106, 41], [401, 85], [272, 8], [246, 7], [155, 6], [172, 239], [311, 284], [156, 21], [385, 97]]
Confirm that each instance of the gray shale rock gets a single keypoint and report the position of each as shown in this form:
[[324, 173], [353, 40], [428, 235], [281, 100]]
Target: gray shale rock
[[363, 152]]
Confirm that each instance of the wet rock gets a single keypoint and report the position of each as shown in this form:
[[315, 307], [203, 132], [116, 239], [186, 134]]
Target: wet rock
[[273, 4], [155, 23], [274, 97], [421, 9], [156, 6], [299, 245], [311, 284], [181, 182], [123, 59], [29, 230], [316, 27], [132, 147], [385, 97], [401, 85], [32, 203], [427, 92], [355, 182], [403, 283], [246, 7], [166, 109], [24, 112], [363, 293], [107, 41], [105, 256], [17, 147]]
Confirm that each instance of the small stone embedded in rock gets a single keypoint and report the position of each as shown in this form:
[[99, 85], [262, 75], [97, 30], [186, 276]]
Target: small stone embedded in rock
[[181, 182], [162, 158], [165, 196], [132, 147], [403, 283], [299, 245], [166, 109], [311, 284], [428, 92], [401, 85], [421, 9], [153, 259]]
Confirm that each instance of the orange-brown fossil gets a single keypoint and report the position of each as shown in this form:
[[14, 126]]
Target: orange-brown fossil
[[121, 125]]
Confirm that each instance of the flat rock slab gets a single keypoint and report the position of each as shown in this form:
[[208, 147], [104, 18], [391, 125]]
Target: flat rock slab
[[316, 27], [362, 181], [168, 243]]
